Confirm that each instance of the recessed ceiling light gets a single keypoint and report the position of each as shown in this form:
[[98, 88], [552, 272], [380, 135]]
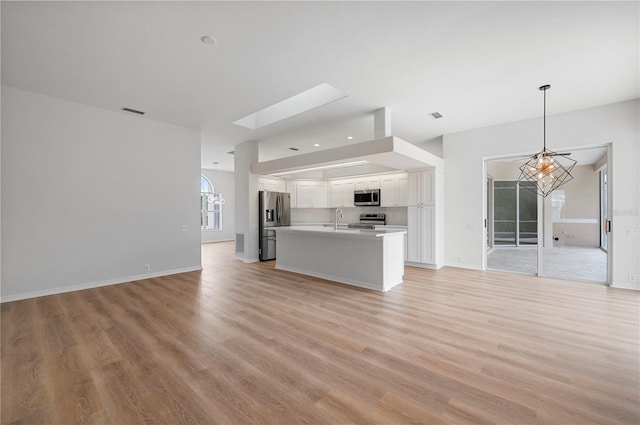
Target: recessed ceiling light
[[207, 39], [436, 115], [316, 144], [349, 137]]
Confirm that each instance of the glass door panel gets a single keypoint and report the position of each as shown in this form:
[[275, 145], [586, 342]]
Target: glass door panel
[[528, 214], [575, 252], [504, 212]]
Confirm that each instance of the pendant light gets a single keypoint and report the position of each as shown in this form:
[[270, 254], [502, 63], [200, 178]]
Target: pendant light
[[547, 170]]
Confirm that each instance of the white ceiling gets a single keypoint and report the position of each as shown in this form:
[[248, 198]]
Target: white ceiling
[[477, 63]]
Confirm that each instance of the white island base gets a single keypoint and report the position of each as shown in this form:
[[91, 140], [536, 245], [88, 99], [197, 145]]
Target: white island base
[[372, 259]]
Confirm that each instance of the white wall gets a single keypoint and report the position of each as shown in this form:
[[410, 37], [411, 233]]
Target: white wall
[[89, 196], [465, 184], [223, 182]]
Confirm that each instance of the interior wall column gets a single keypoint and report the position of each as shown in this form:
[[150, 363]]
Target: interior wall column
[[381, 123], [246, 198]]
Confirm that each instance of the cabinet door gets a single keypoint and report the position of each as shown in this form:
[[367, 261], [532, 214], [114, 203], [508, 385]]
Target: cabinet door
[[421, 188], [319, 195], [415, 186], [414, 233], [388, 192], [291, 189], [402, 188], [428, 185], [303, 194], [427, 218], [348, 188], [361, 184], [272, 185], [335, 194], [367, 183]]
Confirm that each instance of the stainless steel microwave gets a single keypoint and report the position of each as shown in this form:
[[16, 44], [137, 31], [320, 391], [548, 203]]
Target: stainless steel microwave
[[366, 198]]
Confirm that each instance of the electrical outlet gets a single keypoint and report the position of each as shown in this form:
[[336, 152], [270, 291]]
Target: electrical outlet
[[632, 277], [147, 268], [460, 259], [184, 228]]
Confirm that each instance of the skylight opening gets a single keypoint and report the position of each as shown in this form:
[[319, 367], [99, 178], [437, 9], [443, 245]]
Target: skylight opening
[[307, 100]]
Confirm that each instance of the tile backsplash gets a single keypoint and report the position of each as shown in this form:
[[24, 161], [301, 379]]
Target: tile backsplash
[[395, 215]]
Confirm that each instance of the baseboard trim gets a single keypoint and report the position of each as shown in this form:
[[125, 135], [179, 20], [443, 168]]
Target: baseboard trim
[[239, 256], [423, 265], [80, 287]]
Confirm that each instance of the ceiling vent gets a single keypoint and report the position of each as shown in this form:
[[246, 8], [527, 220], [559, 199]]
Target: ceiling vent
[[436, 115], [231, 152], [294, 149], [133, 111]]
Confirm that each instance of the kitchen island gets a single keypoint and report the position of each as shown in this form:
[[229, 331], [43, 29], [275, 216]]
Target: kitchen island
[[372, 259]]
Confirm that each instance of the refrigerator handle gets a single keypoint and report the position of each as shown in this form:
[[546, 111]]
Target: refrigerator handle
[[278, 209]]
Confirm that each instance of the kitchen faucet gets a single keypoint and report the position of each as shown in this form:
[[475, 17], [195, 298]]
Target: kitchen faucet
[[341, 216]]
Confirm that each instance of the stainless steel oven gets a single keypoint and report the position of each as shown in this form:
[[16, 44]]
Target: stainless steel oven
[[366, 198]]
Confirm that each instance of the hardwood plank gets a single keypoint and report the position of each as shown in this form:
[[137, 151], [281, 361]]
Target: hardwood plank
[[243, 343], [71, 387], [24, 398]]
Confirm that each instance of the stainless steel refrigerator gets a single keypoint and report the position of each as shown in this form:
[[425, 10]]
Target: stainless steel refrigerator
[[274, 210]]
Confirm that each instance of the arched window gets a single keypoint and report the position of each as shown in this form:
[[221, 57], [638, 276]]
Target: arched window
[[210, 206]]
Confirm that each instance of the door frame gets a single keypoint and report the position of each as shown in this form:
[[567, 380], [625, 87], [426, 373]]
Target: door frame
[[543, 206]]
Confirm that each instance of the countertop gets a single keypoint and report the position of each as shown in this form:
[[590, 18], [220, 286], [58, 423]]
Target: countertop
[[344, 232], [344, 225]]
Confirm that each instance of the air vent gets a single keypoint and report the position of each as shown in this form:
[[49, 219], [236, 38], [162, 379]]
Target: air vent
[[133, 111], [436, 115], [294, 149], [231, 152]]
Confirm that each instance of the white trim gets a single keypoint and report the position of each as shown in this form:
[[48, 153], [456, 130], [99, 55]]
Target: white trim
[[626, 285], [217, 240], [465, 266], [240, 256], [422, 265], [90, 285]]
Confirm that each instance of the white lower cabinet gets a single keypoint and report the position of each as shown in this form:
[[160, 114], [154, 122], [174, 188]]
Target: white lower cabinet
[[420, 232]]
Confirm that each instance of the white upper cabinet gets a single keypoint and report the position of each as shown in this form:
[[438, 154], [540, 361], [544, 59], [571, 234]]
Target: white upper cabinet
[[421, 188], [341, 193], [367, 183], [272, 185], [307, 194], [393, 190], [319, 194], [291, 189]]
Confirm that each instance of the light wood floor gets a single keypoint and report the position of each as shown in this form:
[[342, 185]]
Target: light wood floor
[[244, 343]]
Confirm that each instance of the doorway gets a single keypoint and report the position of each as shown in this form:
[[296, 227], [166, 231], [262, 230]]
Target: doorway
[[562, 235]]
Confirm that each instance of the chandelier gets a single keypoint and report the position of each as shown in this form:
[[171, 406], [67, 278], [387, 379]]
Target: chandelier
[[547, 170]]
